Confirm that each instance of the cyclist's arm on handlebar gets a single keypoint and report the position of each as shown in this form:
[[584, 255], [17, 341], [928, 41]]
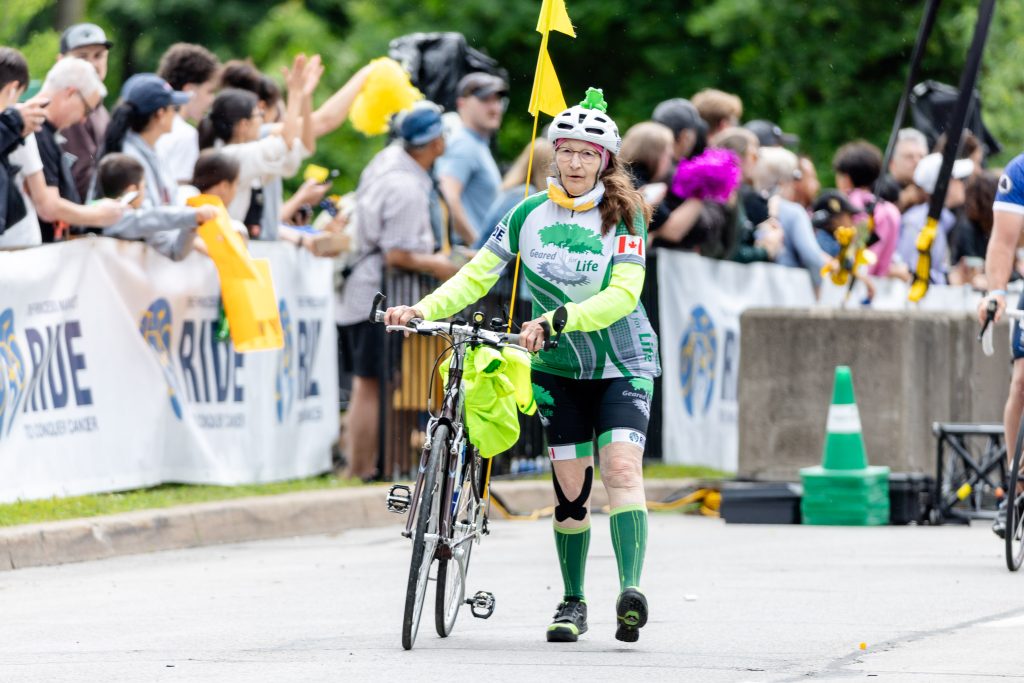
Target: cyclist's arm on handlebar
[[1002, 248], [611, 304], [468, 285]]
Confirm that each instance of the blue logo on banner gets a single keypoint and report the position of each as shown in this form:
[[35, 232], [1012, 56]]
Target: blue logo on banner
[[12, 373], [155, 327], [697, 354], [284, 382]]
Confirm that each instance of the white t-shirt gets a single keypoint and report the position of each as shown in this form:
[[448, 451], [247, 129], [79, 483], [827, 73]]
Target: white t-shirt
[[24, 233], [179, 150]]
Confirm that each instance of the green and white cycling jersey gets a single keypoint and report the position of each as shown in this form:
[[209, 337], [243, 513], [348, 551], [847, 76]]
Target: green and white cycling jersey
[[567, 261]]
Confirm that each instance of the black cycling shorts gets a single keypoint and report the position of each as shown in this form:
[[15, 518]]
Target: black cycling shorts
[[1017, 336], [616, 410]]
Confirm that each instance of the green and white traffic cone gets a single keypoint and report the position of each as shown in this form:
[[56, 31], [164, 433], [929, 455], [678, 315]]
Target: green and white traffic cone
[[844, 442], [844, 489]]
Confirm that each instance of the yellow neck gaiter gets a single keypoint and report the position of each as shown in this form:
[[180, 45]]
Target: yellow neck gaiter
[[584, 202]]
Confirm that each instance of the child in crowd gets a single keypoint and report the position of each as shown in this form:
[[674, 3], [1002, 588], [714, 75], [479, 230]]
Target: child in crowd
[[218, 174], [121, 177]]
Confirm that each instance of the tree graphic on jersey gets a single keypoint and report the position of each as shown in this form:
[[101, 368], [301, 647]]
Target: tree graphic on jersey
[[642, 385], [574, 239], [545, 401]]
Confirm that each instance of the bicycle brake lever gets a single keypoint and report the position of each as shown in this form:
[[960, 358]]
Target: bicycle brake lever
[[985, 336]]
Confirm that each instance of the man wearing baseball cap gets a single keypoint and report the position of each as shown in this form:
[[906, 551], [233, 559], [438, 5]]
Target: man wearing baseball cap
[[926, 177], [469, 177], [88, 42], [393, 202], [688, 128]]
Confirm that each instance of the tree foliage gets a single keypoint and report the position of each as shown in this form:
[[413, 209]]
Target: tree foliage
[[827, 71]]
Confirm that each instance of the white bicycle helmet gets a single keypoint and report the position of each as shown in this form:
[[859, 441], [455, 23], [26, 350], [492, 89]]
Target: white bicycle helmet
[[587, 121]]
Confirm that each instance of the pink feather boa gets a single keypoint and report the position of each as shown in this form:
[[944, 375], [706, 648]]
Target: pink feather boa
[[714, 175]]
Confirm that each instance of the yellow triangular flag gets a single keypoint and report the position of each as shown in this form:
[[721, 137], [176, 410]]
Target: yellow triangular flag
[[554, 17], [547, 93]]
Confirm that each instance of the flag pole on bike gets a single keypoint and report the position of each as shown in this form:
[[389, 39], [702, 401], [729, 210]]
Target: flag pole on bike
[[546, 96], [954, 132]]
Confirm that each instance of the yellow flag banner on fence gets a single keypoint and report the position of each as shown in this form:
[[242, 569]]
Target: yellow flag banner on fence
[[246, 286]]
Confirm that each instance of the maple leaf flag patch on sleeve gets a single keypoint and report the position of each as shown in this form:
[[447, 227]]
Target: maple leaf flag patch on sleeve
[[630, 244]]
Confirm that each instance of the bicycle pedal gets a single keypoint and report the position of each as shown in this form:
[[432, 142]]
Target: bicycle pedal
[[399, 498], [481, 604]]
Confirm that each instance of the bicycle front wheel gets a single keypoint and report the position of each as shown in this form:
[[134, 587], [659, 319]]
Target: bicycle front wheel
[[467, 516], [425, 537], [1015, 508]]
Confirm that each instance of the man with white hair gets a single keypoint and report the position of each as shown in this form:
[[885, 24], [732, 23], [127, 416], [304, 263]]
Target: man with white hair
[[74, 90], [775, 178], [911, 147]]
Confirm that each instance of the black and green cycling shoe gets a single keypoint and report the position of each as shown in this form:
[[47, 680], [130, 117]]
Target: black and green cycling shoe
[[631, 614], [570, 621]]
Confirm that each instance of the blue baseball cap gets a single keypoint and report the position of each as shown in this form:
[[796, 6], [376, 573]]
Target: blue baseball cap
[[419, 124], [149, 92]]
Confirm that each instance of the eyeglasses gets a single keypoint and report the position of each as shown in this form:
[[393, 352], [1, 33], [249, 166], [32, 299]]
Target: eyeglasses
[[587, 156], [89, 109]]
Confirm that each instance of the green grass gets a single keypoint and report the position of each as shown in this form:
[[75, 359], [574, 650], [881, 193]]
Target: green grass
[[52, 509], [168, 495]]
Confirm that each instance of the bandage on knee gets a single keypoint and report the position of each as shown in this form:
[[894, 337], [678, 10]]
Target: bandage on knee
[[577, 508]]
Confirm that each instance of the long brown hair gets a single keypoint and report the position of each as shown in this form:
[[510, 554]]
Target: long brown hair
[[621, 200]]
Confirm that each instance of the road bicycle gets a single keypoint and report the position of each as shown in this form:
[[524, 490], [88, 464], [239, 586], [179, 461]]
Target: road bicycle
[[447, 506], [1014, 492]]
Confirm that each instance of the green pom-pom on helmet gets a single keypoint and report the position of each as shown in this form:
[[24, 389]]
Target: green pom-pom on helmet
[[589, 122]]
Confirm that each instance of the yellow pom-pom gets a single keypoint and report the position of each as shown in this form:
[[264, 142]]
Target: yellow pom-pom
[[863, 646], [387, 91]]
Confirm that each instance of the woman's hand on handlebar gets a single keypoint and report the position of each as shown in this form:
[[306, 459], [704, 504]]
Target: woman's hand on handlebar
[[532, 335], [983, 305], [401, 315]]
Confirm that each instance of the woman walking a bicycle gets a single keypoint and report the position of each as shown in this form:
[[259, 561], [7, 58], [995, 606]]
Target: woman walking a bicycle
[[582, 246]]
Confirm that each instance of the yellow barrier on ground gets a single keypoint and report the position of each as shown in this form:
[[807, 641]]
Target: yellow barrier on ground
[[246, 285]]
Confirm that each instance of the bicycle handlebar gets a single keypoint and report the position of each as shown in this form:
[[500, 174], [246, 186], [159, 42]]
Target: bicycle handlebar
[[474, 332], [985, 335]]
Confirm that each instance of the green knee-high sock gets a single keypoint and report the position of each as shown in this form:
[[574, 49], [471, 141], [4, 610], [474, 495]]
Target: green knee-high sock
[[629, 538], [572, 545]]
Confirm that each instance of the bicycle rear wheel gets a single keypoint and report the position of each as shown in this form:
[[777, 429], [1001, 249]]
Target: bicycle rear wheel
[[1015, 508], [451, 573], [424, 539]]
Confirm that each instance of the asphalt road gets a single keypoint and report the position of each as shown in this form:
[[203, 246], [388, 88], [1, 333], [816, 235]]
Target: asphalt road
[[728, 603]]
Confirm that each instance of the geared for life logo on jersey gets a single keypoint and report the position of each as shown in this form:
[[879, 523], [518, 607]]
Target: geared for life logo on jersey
[[641, 394], [698, 352], [12, 373], [574, 239], [629, 245]]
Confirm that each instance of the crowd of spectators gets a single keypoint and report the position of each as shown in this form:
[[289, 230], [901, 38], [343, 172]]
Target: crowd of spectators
[[195, 125]]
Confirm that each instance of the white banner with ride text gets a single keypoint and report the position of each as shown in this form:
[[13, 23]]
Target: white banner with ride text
[[112, 377], [700, 302]]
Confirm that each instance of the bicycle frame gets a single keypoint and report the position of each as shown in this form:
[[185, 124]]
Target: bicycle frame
[[450, 414]]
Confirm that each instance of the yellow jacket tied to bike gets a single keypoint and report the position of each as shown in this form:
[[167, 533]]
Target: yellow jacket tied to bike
[[497, 386]]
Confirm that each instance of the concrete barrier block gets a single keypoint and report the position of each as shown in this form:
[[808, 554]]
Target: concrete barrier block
[[910, 369]]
